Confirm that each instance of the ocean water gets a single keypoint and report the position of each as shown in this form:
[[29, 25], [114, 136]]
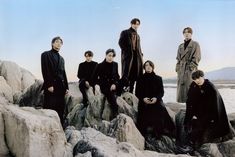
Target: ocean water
[[227, 93]]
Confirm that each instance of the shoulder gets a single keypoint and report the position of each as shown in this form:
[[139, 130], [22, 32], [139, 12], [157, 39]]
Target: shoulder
[[95, 63], [195, 43], [45, 53]]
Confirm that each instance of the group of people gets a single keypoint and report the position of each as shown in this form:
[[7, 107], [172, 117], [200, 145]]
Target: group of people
[[203, 101]]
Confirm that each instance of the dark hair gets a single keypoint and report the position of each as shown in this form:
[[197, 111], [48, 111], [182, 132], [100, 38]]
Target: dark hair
[[197, 74], [133, 21], [189, 29], [89, 53], [56, 38], [150, 63], [111, 50]]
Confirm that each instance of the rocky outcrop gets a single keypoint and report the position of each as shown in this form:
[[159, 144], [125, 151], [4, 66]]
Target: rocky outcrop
[[34, 133], [14, 80], [91, 142]]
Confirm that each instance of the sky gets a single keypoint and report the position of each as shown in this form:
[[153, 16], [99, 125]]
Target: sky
[[27, 27]]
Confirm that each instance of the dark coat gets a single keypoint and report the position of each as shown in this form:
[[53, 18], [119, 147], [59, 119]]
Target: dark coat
[[85, 70], [206, 104], [53, 72], [105, 74], [187, 62], [127, 54], [151, 85]]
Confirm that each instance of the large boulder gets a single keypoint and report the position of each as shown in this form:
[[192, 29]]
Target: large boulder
[[16, 77], [3, 147], [124, 130], [5, 90], [30, 132]]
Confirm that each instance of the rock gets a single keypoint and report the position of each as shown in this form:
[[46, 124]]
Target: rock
[[18, 78], [231, 118], [124, 130], [5, 90], [131, 99], [33, 96], [87, 154], [176, 107], [3, 147], [36, 133], [77, 116], [97, 144]]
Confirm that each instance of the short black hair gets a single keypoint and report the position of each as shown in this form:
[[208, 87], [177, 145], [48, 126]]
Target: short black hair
[[133, 21], [111, 50], [150, 63], [89, 53], [189, 29], [197, 74], [56, 38]]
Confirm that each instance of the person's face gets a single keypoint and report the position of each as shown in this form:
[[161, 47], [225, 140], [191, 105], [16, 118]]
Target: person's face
[[109, 57], [187, 35], [88, 58], [135, 26], [57, 44], [148, 68], [199, 81]]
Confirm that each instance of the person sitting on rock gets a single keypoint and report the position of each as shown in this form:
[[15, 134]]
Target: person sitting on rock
[[107, 77], [151, 110], [85, 71], [205, 112]]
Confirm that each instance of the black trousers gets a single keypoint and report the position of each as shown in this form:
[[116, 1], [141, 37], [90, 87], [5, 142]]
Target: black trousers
[[83, 88], [111, 97]]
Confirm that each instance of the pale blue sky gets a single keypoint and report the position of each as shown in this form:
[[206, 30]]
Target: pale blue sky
[[27, 27]]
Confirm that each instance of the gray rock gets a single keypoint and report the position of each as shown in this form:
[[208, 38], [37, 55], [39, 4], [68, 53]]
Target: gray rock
[[6, 90], [36, 133]]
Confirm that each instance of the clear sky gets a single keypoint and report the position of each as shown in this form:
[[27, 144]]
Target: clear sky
[[27, 27]]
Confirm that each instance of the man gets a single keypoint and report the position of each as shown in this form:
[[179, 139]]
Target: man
[[131, 56], [188, 57], [85, 71], [55, 84], [205, 111], [107, 77]]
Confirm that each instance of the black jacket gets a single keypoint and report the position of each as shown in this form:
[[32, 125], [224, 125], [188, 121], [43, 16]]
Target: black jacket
[[86, 69], [53, 69], [105, 74], [149, 85], [207, 105]]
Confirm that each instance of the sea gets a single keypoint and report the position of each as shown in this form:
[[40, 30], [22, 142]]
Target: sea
[[227, 92]]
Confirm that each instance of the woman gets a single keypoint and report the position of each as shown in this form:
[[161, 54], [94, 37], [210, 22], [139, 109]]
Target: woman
[[151, 110], [107, 77]]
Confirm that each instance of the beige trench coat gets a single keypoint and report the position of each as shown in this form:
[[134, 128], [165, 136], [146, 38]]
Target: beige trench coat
[[187, 63]]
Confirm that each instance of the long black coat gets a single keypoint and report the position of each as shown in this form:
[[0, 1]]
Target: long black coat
[[127, 54], [53, 72], [105, 74], [151, 85], [207, 105]]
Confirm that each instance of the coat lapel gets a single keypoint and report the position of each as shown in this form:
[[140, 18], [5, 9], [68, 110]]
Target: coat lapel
[[185, 51]]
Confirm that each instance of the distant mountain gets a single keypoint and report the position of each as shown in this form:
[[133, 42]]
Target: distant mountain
[[226, 74]]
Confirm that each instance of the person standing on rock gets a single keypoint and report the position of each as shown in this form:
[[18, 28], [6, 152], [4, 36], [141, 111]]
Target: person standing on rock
[[107, 77], [85, 71], [188, 57], [131, 55], [151, 110], [55, 84], [205, 111]]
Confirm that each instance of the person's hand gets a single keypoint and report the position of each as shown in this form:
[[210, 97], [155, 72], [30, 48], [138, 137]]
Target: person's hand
[[153, 100], [147, 100], [51, 89], [87, 84], [66, 92], [113, 87]]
